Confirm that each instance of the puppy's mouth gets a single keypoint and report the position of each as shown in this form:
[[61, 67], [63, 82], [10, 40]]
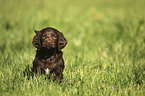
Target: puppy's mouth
[[47, 47]]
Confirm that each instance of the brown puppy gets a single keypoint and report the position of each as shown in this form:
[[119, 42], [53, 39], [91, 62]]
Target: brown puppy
[[49, 59]]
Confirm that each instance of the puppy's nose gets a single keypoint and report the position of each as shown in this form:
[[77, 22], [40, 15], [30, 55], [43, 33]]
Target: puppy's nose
[[48, 42]]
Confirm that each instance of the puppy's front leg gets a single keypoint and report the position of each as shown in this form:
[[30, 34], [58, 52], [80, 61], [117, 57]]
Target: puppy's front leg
[[58, 75]]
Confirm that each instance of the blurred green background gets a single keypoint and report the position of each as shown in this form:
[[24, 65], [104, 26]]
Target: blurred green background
[[105, 51]]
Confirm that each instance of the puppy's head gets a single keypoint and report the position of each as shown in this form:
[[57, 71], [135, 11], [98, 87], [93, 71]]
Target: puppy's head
[[49, 38]]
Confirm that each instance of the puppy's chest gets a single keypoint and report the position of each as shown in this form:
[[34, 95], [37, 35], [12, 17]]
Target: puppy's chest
[[49, 60]]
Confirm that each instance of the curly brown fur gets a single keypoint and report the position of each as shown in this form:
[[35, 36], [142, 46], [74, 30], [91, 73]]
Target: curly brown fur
[[49, 43]]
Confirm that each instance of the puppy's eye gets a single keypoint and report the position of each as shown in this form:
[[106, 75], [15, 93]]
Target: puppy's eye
[[44, 34], [47, 36]]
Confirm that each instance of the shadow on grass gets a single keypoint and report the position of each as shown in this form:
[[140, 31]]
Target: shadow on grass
[[140, 75], [28, 72]]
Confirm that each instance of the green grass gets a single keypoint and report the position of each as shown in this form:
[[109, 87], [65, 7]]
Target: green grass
[[105, 54]]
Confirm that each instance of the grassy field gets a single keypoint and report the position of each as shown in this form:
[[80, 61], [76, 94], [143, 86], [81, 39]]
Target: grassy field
[[105, 55]]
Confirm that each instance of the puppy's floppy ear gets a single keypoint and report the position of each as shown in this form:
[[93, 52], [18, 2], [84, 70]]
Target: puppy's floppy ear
[[61, 41], [36, 40]]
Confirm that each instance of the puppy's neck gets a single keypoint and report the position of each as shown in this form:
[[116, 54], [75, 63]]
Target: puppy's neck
[[45, 53]]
